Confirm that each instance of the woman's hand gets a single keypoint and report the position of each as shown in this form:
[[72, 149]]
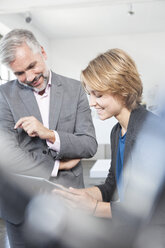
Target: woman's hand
[[67, 165], [78, 198]]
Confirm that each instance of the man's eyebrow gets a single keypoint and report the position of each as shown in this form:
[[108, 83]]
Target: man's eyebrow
[[31, 65]]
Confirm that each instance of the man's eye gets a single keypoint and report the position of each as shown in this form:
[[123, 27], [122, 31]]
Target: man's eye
[[19, 73], [98, 96]]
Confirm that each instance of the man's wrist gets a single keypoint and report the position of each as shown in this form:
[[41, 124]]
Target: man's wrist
[[51, 136]]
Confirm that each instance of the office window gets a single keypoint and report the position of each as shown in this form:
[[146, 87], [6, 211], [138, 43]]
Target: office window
[[5, 73]]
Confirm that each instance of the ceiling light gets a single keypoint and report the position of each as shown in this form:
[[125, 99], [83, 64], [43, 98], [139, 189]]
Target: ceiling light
[[130, 11]]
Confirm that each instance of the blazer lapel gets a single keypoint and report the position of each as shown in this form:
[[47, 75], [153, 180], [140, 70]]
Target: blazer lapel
[[129, 142], [30, 103], [56, 95]]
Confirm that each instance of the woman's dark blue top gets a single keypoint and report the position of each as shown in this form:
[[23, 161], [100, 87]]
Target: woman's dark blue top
[[119, 166]]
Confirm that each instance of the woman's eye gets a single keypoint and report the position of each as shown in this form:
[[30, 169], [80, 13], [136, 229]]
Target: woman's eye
[[98, 96]]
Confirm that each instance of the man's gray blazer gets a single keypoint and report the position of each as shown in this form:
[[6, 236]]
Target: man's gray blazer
[[69, 115]]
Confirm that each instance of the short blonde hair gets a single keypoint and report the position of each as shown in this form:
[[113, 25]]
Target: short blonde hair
[[115, 71]]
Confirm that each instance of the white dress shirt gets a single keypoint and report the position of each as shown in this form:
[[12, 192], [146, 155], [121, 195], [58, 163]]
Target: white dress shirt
[[43, 104]]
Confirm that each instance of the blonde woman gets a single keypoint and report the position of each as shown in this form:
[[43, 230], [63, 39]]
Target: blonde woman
[[115, 89]]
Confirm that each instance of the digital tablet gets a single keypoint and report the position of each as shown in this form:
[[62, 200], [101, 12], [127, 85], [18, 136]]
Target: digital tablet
[[36, 185]]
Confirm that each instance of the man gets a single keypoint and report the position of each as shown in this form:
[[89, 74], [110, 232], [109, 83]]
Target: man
[[47, 117]]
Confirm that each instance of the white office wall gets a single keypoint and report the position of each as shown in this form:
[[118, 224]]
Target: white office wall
[[70, 56]]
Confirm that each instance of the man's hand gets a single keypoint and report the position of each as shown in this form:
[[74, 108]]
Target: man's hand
[[69, 164], [34, 128]]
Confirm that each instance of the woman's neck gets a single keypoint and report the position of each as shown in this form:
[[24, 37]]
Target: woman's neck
[[123, 119]]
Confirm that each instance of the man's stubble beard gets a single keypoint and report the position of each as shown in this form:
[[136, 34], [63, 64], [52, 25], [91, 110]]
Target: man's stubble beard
[[28, 84]]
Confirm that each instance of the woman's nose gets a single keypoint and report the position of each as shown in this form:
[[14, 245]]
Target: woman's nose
[[92, 100]]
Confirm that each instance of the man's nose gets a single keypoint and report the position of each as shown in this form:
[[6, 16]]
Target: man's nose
[[29, 75]]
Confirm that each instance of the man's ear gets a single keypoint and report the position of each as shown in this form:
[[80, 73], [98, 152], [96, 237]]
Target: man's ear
[[43, 52]]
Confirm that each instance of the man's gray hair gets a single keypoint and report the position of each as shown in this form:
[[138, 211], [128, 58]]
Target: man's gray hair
[[14, 39]]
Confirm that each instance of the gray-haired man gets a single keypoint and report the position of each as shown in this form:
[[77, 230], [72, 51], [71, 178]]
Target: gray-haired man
[[48, 119]]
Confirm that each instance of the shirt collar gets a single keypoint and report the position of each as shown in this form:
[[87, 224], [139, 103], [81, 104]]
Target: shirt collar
[[49, 82], [50, 78]]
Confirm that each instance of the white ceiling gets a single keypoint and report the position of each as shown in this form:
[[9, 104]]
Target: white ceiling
[[77, 18]]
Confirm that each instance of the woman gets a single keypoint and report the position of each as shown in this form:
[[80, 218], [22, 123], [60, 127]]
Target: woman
[[115, 89]]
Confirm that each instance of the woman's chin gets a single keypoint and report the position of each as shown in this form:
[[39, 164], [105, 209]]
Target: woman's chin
[[101, 117]]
